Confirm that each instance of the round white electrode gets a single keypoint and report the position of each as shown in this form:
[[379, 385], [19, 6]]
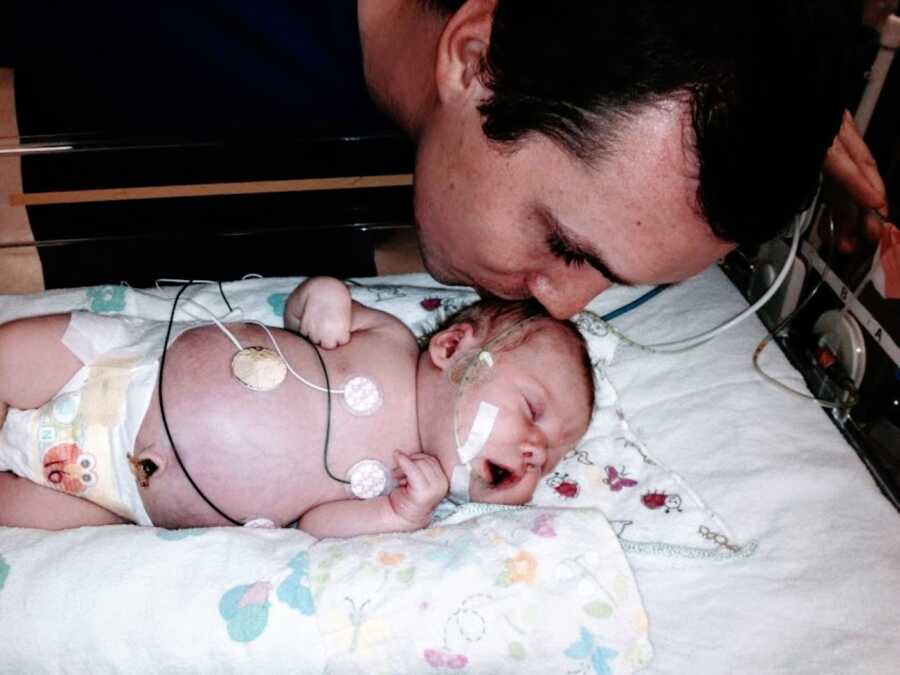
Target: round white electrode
[[362, 395], [369, 478], [258, 368]]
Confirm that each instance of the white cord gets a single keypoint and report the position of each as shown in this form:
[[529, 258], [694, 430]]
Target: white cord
[[287, 363], [209, 313], [684, 344], [218, 322]]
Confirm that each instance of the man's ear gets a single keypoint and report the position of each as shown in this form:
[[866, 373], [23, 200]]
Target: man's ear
[[461, 50], [449, 343]]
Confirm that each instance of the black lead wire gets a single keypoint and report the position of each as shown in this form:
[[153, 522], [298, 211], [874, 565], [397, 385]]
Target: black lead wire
[[162, 409]]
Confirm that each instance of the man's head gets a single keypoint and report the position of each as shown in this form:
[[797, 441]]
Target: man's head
[[571, 146], [528, 372]]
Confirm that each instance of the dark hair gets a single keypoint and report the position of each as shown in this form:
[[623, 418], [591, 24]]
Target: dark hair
[[490, 317], [764, 79]]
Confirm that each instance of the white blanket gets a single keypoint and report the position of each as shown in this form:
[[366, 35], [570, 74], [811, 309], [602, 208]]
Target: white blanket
[[485, 590], [796, 571], [820, 594]]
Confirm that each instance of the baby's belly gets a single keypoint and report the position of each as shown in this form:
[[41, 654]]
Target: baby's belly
[[252, 454]]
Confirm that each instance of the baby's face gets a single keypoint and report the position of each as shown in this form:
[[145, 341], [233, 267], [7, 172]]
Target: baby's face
[[543, 399]]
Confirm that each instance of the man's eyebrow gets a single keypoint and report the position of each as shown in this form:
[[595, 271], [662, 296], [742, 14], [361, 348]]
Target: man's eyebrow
[[581, 249]]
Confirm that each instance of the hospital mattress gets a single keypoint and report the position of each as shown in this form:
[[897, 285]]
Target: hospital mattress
[[705, 512]]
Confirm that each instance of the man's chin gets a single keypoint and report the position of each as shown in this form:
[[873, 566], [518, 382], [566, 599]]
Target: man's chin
[[437, 270]]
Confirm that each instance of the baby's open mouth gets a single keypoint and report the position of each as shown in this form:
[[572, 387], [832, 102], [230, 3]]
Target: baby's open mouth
[[500, 476]]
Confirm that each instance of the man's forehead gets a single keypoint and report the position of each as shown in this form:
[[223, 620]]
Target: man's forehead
[[637, 208]]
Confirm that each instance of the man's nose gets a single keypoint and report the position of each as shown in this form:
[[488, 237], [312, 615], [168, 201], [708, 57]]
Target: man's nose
[[565, 292]]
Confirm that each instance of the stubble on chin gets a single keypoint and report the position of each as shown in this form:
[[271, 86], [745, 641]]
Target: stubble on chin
[[433, 262]]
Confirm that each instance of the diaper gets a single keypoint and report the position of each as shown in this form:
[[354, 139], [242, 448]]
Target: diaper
[[80, 442]]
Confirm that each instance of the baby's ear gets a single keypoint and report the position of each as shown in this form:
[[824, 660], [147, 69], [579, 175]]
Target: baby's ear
[[445, 345]]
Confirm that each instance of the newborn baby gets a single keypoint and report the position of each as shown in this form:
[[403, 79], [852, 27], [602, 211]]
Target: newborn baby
[[490, 404]]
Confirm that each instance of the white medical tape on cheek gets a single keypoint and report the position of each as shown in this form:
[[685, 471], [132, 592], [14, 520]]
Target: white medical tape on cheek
[[478, 436], [459, 482]]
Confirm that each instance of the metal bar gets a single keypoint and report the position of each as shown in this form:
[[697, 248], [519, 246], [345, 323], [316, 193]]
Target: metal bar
[[47, 243], [209, 189]]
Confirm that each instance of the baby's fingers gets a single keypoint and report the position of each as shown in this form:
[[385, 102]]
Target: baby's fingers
[[414, 476]]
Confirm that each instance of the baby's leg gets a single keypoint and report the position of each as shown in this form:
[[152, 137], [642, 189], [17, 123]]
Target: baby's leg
[[34, 363], [27, 504], [34, 366]]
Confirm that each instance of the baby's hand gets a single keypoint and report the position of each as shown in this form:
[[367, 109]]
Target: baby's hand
[[421, 485], [322, 310]]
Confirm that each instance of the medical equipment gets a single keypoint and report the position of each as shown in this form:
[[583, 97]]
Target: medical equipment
[[683, 344]]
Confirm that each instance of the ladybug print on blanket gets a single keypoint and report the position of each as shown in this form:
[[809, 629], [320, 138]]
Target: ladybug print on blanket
[[565, 487], [660, 500]]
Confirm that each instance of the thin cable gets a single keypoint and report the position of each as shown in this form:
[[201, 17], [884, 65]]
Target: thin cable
[[327, 389], [162, 411], [327, 412], [222, 293], [849, 387], [634, 304], [237, 342], [210, 315], [684, 344]]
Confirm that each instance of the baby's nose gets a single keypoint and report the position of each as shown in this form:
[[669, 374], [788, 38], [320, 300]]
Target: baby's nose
[[534, 450]]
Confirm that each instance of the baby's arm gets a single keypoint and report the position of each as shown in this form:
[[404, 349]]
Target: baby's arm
[[321, 309], [421, 486]]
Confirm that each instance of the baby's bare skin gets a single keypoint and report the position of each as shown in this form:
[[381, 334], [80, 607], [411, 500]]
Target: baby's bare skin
[[260, 454]]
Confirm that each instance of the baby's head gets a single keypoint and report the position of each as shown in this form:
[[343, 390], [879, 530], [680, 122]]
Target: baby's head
[[510, 383]]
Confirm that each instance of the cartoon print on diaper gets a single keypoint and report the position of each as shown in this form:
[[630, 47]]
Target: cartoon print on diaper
[[69, 469], [565, 487], [65, 407], [617, 479], [591, 655], [660, 500], [106, 299], [277, 302]]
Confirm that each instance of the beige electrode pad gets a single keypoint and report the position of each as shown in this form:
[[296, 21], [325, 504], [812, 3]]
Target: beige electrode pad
[[258, 368]]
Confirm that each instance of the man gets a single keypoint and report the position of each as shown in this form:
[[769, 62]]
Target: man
[[561, 147], [593, 143]]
